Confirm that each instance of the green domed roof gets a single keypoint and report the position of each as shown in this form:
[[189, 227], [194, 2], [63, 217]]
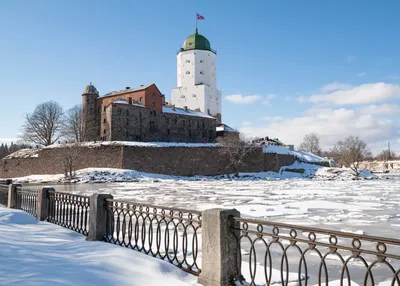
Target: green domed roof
[[197, 42]]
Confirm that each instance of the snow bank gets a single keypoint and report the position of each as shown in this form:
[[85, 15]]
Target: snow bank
[[40, 253], [302, 156], [23, 153], [316, 172], [134, 144]]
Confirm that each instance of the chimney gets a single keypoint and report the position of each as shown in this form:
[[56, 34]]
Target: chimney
[[173, 106], [130, 100], [185, 107]]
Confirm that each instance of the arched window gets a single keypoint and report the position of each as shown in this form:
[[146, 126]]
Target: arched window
[[187, 72]]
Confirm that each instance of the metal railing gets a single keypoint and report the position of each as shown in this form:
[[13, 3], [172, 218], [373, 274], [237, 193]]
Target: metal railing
[[281, 253], [172, 235], [3, 194], [26, 200], [70, 211]]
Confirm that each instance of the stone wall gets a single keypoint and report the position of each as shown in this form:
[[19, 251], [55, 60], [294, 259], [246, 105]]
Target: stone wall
[[187, 161], [181, 161]]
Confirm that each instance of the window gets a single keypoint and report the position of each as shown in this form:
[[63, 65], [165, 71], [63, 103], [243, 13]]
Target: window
[[203, 134], [189, 133], [201, 61], [175, 120], [168, 131], [154, 104], [104, 108], [193, 95], [187, 72], [201, 72], [187, 61], [104, 120], [105, 131], [154, 94], [119, 110], [183, 122], [198, 124], [127, 112], [141, 99], [182, 96], [202, 124], [151, 124]]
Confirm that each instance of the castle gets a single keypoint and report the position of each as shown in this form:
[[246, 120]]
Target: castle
[[142, 114]]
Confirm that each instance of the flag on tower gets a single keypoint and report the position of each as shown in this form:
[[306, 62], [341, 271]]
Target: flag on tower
[[199, 17]]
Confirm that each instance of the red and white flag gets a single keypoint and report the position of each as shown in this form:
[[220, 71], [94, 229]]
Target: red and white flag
[[199, 17]]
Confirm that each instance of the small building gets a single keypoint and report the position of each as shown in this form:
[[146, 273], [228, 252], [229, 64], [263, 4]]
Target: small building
[[226, 133]]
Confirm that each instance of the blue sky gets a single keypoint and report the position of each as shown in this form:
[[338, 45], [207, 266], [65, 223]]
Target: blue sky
[[285, 68]]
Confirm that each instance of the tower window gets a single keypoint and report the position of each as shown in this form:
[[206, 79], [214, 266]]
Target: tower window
[[104, 108], [201, 61], [193, 95], [105, 131], [187, 72], [187, 61], [182, 96], [104, 120], [201, 72]]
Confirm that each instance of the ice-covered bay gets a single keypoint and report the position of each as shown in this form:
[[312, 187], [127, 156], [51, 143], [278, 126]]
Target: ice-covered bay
[[365, 206]]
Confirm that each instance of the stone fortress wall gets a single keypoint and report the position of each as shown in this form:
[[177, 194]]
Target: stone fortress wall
[[181, 161]]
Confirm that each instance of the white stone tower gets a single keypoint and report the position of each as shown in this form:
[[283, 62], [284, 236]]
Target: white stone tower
[[197, 77]]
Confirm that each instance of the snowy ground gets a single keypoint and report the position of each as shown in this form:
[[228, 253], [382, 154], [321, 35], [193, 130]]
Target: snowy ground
[[40, 253]]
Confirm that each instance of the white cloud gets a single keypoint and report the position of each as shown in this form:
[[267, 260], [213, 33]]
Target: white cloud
[[9, 140], [351, 59], [362, 94], [240, 99], [380, 109], [331, 124], [268, 98], [246, 123], [361, 74], [334, 86]]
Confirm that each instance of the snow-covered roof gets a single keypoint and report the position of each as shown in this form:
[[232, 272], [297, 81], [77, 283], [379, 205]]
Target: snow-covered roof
[[133, 144], [23, 153], [112, 93], [226, 128], [124, 101], [181, 111], [303, 156]]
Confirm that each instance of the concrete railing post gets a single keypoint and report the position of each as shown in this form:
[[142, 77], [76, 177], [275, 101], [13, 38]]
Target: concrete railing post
[[220, 248], [98, 216], [12, 195], [42, 211]]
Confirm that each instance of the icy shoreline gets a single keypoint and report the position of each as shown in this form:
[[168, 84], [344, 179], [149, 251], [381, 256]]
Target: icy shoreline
[[110, 175]]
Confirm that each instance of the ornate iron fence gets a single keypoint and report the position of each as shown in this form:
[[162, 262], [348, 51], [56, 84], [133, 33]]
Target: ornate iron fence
[[26, 200], [281, 253], [70, 211], [3, 194], [172, 235]]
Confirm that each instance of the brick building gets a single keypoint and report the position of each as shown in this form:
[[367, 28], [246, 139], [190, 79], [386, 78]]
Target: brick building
[[141, 114]]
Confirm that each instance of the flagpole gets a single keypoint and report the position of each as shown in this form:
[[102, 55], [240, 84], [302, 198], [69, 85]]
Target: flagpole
[[196, 22]]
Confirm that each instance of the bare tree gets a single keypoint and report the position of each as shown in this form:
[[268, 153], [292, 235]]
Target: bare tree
[[385, 155], [237, 152], [69, 160], [310, 143], [43, 126], [72, 127], [351, 152]]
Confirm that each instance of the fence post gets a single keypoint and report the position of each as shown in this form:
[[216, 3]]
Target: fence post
[[42, 211], [220, 248], [98, 216], [12, 195]]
